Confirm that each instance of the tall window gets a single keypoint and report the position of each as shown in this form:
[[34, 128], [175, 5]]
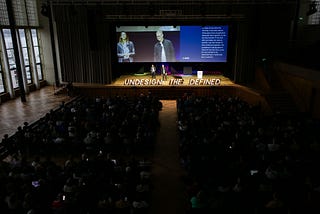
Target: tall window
[[36, 47], [314, 18], [1, 80], [11, 59], [25, 14], [24, 47]]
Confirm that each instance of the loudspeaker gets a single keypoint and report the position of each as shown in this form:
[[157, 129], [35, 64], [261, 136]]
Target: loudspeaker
[[187, 70]]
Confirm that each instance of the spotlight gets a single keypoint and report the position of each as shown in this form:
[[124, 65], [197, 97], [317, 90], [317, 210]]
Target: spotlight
[[312, 8]]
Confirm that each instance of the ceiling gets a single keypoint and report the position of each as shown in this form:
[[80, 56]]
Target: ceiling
[[175, 9], [168, 2]]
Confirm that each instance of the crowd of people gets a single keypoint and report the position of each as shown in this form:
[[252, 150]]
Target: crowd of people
[[237, 160], [240, 161], [90, 156]]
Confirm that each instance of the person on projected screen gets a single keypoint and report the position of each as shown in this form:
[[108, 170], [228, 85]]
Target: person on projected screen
[[163, 49], [125, 48]]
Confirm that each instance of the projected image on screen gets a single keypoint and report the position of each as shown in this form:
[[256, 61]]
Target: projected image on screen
[[172, 43]]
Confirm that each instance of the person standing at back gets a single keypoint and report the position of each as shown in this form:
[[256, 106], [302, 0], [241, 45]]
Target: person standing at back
[[164, 72], [163, 49], [153, 71]]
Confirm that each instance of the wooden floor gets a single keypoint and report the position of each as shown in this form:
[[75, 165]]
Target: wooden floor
[[168, 193], [14, 113]]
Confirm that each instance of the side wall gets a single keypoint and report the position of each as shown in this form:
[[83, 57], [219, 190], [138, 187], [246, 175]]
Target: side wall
[[303, 84]]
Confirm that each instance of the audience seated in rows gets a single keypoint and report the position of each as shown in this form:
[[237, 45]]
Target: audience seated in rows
[[246, 162], [97, 170]]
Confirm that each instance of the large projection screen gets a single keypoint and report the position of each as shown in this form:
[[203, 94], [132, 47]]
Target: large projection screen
[[190, 44]]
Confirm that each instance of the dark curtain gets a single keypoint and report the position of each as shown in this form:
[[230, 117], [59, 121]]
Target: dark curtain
[[84, 44], [244, 61]]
